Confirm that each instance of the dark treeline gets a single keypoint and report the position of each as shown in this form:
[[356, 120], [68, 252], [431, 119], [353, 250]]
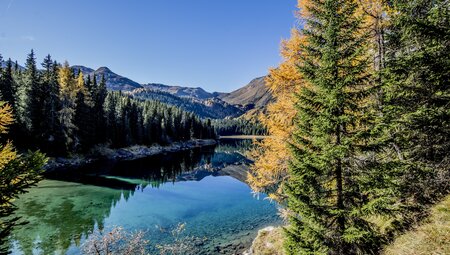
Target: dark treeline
[[238, 127], [59, 111]]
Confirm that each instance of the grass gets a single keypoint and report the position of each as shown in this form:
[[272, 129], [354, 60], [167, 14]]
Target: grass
[[431, 237]]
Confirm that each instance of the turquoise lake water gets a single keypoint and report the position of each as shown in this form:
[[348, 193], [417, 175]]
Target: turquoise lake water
[[203, 188]]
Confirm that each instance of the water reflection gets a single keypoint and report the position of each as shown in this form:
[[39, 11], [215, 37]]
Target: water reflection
[[57, 220], [71, 203]]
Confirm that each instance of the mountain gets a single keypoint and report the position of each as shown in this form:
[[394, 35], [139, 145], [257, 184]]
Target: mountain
[[253, 95], [113, 80], [198, 92], [83, 69], [3, 65], [212, 107], [247, 101]]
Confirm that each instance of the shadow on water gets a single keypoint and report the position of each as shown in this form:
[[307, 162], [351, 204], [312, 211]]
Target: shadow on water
[[71, 203], [156, 169]]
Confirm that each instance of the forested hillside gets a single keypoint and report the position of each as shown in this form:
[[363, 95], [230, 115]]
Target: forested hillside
[[60, 111], [238, 127], [206, 108]]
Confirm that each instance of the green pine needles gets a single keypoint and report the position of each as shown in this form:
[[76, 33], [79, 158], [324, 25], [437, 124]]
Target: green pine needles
[[336, 181]]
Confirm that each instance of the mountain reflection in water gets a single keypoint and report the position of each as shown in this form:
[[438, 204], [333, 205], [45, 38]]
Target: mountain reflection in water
[[155, 191]]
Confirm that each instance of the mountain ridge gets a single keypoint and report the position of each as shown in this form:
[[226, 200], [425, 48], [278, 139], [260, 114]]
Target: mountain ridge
[[218, 105]]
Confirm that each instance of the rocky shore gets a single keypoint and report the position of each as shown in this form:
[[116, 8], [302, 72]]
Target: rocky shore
[[128, 153], [269, 241]]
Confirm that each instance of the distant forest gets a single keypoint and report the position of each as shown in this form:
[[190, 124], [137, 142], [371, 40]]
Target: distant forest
[[61, 112], [238, 127]]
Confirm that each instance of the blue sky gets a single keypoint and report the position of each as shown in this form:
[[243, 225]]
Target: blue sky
[[219, 45]]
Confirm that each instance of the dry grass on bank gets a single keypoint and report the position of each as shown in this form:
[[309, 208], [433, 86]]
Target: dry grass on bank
[[431, 237]]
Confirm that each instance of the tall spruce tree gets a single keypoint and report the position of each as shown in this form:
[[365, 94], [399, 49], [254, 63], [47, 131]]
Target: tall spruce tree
[[417, 97], [99, 96], [8, 87], [35, 98], [83, 118], [335, 179], [52, 137], [27, 87]]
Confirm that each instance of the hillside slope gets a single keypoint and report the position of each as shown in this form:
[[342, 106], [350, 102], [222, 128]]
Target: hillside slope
[[205, 108], [255, 95], [179, 91], [431, 237]]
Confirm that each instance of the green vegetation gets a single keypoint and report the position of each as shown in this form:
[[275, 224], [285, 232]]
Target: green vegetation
[[17, 172], [334, 183], [228, 127], [61, 112], [429, 237], [371, 131]]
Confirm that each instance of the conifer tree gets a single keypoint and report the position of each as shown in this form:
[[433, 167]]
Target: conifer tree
[[270, 169], [52, 137], [8, 87], [111, 117], [17, 172], [83, 118], [417, 97], [336, 182], [99, 96], [28, 86], [36, 101]]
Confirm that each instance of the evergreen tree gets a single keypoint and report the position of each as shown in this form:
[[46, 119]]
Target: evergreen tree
[[336, 182], [27, 87], [52, 137], [89, 85], [417, 96], [83, 118], [99, 96], [111, 117], [17, 172], [35, 97], [8, 87]]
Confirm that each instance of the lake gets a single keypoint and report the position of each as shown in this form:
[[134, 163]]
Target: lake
[[204, 188]]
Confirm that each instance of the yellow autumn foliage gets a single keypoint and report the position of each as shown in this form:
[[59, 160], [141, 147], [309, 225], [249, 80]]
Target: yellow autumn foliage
[[272, 154], [7, 151], [66, 81]]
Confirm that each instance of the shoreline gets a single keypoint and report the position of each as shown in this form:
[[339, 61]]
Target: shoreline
[[258, 137], [123, 154]]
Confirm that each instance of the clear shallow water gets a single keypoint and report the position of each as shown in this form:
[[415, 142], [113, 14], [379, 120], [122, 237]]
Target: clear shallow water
[[203, 188]]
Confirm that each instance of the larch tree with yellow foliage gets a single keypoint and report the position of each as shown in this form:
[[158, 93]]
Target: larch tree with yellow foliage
[[17, 172], [272, 154], [68, 93]]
